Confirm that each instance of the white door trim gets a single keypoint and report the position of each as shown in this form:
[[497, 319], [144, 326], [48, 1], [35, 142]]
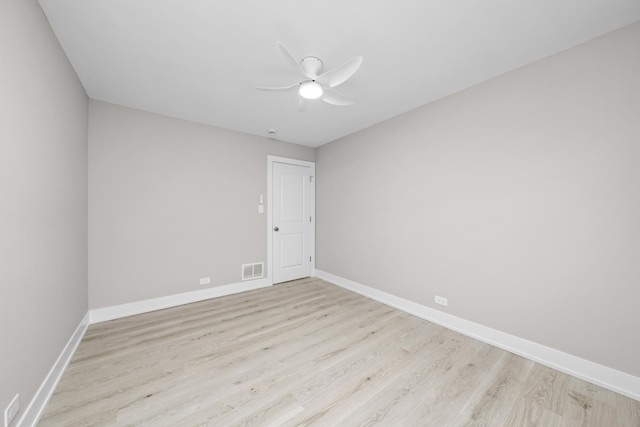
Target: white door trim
[[270, 161]]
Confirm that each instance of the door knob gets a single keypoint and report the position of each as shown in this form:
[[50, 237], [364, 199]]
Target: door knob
[[276, 229]]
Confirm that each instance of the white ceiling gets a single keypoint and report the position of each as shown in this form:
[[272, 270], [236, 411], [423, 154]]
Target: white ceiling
[[201, 60]]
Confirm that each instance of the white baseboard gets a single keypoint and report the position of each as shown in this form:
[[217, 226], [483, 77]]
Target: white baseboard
[[620, 382], [36, 407], [117, 311]]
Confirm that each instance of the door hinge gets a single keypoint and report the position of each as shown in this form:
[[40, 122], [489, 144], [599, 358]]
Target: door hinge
[[309, 259], [309, 219], [311, 178]]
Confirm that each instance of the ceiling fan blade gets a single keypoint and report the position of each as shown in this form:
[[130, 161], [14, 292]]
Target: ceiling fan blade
[[280, 89], [289, 60], [303, 104], [340, 74], [334, 98]]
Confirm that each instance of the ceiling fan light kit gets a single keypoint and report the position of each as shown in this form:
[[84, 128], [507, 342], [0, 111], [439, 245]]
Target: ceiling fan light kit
[[318, 85], [310, 90]]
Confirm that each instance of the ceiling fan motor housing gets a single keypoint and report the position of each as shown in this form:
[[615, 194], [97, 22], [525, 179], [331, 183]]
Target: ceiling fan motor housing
[[312, 66]]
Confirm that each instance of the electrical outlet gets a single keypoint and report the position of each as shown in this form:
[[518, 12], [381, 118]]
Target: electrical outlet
[[441, 300], [205, 280], [11, 410]]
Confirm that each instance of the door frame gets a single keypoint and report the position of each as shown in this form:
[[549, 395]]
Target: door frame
[[312, 250]]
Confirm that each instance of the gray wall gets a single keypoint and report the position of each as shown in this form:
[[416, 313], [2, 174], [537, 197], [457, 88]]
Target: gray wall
[[43, 200], [517, 199], [171, 201]]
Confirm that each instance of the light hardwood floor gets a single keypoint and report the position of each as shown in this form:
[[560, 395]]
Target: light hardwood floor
[[310, 353]]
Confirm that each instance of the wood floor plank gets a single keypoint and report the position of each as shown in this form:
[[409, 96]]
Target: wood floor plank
[[628, 412], [225, 363], [447, 396], [539, 401], [493, 399], [589, 405], [310, 353], [338, 356]]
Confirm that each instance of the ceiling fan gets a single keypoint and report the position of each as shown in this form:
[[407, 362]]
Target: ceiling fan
[[317, 84]]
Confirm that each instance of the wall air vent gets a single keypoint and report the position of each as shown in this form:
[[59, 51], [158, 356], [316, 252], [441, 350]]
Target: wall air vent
[[253, 271]]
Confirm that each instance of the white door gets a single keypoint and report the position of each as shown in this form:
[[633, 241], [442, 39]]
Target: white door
[[292, 221]]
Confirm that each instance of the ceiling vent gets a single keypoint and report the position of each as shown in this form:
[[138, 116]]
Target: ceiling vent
[[253, 271]]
